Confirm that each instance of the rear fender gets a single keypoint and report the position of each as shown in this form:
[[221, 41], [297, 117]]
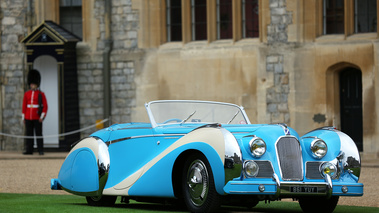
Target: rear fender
[[86, 167]]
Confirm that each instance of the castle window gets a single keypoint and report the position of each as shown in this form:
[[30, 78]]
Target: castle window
[[224, 19], [365, 16], [70, 16], [174, 20], [333, 15], [199, 19], [250, 19]]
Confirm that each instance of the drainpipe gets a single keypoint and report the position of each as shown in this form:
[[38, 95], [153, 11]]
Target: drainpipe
[[29, 25], [107, 59], [1, 87], [29, 16]]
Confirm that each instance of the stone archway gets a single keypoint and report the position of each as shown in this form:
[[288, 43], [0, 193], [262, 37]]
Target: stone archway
[[344, 111]]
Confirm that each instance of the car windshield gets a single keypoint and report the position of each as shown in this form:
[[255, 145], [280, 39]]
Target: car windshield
[[168, 112]]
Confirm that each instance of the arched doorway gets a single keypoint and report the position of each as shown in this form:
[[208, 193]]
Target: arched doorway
[[350, 81], [48, 67]]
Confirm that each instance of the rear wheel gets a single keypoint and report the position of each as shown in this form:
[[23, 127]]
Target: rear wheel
[[101, 200], [199, 191], [318, 204]]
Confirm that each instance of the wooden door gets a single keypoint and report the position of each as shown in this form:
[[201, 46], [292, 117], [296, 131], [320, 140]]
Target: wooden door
[[351, 105]]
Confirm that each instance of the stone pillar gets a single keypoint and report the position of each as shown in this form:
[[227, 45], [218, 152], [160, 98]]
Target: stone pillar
[[12, 71], [277, 37]]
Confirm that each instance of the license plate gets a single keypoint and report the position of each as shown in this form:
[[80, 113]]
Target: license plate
[[304, 189]]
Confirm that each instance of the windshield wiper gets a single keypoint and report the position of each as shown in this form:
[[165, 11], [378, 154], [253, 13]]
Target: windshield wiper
[[235, 115], [185, 120]]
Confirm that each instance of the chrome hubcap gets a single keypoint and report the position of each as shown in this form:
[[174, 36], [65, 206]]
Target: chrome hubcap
[[97, 198], [198, 182]]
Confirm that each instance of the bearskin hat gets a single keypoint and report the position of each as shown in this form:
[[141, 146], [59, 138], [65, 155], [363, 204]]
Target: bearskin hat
[[34, 77]]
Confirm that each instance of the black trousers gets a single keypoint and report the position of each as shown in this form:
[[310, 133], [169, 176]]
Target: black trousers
[[33, 126]]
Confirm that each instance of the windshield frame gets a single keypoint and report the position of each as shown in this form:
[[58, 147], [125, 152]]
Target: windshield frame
[[155, 124]]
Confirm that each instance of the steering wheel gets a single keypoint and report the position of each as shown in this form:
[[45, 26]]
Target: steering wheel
[[172, 120]]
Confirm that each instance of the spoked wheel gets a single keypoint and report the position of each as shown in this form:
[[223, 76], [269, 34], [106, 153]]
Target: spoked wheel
[[199, 191], [318, 204], [101, 200]]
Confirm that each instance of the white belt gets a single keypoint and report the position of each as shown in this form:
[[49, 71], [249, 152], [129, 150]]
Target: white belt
[[32, 105]]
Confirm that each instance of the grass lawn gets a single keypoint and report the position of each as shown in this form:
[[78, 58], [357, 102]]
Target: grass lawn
[[10, 203]]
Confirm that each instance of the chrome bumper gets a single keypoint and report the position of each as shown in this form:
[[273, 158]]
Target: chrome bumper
[[55, 184], [277, 189]]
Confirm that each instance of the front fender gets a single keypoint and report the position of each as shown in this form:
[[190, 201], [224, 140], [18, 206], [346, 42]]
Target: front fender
[[233, 156], [349, 155], [226, 146], [214, 142], [326, 134], [341, 149], [162, 172], [230, 154]]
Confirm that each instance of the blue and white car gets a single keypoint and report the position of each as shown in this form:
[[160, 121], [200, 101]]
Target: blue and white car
[[206, 154]]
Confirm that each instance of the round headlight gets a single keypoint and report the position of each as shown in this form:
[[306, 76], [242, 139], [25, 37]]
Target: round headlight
[[319, 148], [329, 169], [250, 168], [257, 147]]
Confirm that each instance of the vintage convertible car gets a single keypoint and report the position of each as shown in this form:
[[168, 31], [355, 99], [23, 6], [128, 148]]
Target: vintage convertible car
[[205, 154]]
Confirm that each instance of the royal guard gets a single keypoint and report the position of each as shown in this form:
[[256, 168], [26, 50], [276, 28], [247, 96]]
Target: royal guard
[[34, 109]]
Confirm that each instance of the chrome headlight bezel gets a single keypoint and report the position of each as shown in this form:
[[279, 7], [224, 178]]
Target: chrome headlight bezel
[[250, 168], [319, 148], [330, 169], [257, 147]]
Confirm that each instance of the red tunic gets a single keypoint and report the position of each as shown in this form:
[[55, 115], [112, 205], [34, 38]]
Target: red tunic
[[30, 105]]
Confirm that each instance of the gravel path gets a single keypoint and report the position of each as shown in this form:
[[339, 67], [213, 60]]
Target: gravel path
[[33, 176]]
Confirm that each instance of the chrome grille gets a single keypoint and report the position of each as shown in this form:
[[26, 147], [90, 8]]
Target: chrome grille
[[313, 170], [265, 169], [290, 160]]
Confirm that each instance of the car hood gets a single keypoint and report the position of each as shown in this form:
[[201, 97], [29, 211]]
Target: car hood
[[272, 131]]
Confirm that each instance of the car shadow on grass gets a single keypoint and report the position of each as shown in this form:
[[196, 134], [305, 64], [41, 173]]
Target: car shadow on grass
[[158, 207]]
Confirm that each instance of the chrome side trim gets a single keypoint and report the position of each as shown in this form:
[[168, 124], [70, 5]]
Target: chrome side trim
[[242, 183], [134, 128], [329, 128], [213, 125], [169, 135], [246, 136], [143, 136], [247, 192]]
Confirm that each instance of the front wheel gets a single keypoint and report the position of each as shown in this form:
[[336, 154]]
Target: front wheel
[[199, 191], [318, 204], [101, 200]]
